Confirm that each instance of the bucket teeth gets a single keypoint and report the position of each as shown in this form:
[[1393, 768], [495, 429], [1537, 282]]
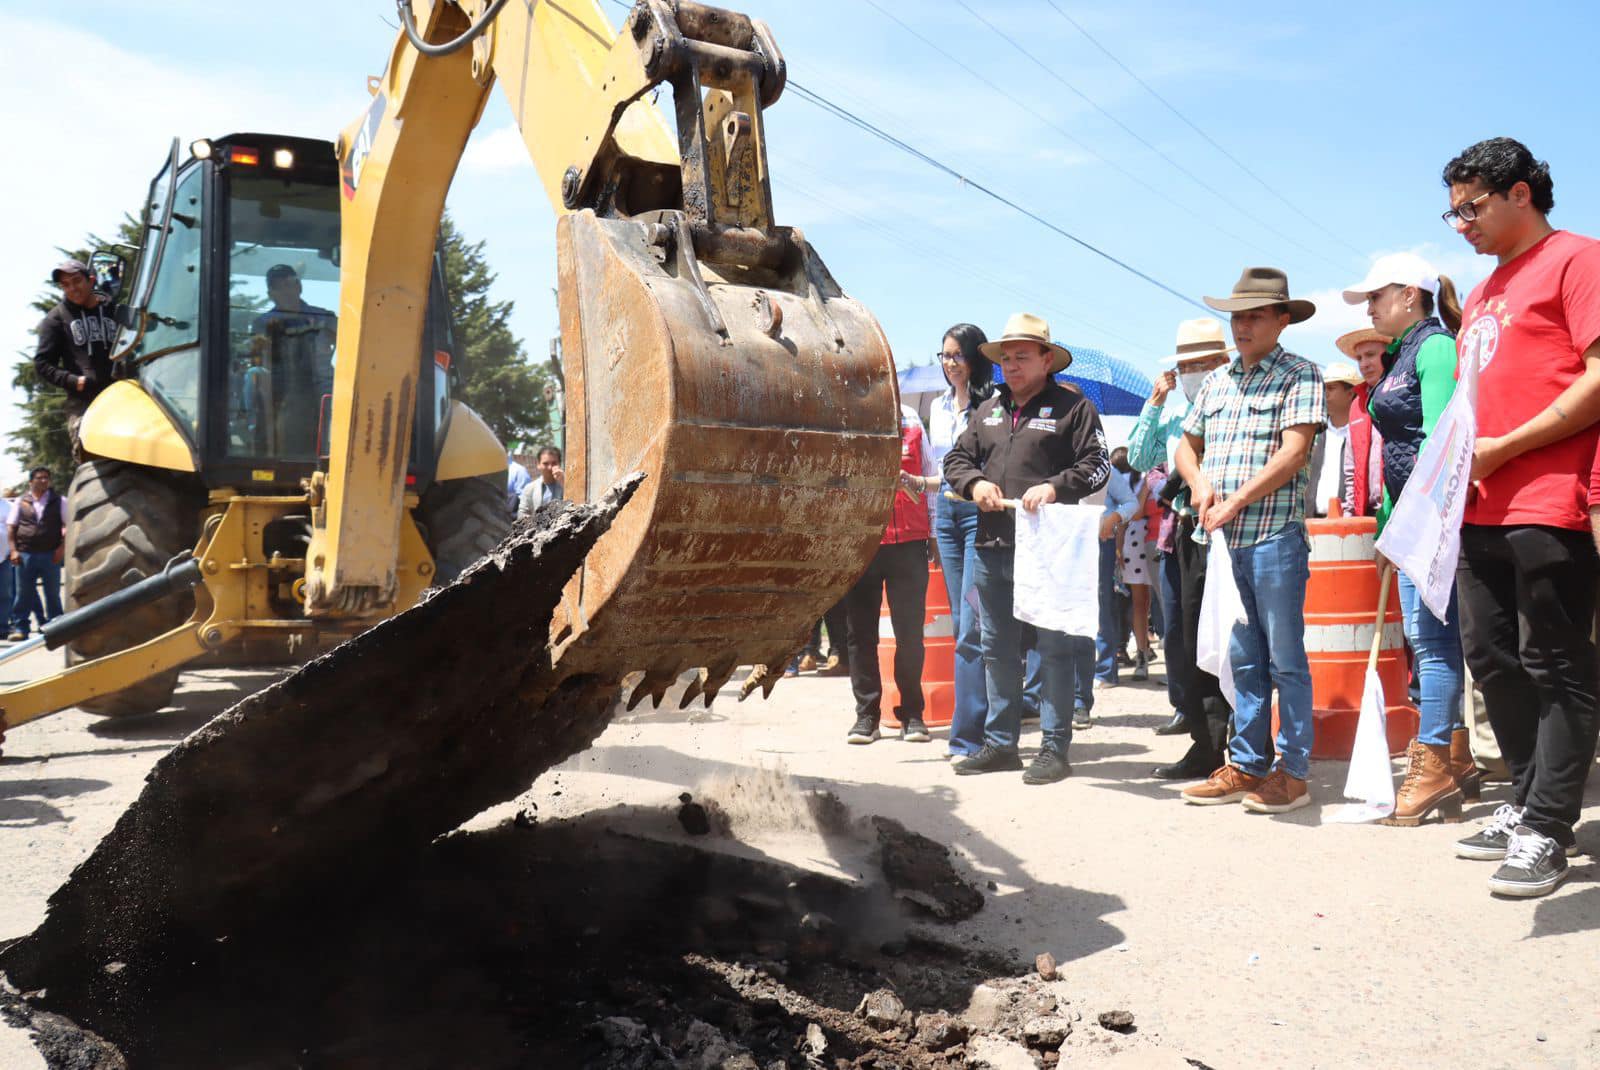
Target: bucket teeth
[[637, 695], [756, 679], [692, 690], [716, 677], [770, 681], [656, 682]]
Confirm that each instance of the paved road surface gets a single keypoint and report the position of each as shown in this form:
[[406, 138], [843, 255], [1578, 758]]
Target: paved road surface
[[1238, 939]]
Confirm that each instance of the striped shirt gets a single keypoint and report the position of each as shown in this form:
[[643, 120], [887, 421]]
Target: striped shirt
[[1241, 416]]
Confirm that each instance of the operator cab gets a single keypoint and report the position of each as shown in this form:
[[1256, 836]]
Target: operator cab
[[237, 289]]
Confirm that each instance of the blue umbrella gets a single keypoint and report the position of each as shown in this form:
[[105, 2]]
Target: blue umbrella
[[1115, 386]]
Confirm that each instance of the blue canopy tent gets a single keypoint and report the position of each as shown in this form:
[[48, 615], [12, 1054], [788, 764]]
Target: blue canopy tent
[[1115, 386]]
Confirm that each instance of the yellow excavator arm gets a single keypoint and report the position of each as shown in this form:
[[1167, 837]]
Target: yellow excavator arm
[[704, 345]]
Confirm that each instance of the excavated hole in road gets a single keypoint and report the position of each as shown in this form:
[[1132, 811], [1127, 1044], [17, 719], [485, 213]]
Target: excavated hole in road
[[571, 944]]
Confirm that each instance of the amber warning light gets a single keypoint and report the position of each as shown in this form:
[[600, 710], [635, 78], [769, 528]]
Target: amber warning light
[[248, 157]]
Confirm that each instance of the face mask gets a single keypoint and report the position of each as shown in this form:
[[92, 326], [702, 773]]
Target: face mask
[[1190, 382]]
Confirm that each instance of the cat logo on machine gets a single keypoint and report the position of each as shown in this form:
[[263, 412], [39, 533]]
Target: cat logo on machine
[[354, 156]]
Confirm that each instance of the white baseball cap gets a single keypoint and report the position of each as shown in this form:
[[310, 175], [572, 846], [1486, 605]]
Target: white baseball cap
[[1396, 269]]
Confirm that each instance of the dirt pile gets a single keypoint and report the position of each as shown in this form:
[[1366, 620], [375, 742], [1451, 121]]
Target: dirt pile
[[580, 944]]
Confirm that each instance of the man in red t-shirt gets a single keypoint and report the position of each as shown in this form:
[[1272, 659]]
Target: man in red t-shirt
[[1527, 574]]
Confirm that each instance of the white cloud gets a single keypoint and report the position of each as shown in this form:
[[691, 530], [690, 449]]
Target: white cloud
[[99, 137], [498, 152]]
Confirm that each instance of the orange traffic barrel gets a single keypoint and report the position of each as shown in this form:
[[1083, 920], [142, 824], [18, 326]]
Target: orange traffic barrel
[[939, 656], [1341, 607]]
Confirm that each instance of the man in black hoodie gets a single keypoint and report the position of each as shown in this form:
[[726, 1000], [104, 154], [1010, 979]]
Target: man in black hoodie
[[75, 342]]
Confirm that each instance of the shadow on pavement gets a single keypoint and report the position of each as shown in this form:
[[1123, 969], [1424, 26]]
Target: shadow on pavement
[[25, 803], [194, 706]]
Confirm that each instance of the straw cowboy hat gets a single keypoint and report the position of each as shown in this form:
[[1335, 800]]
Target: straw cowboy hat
[[1347, 342], [1262, 287], [1023, 327], [1342, 371], [1199, 339]]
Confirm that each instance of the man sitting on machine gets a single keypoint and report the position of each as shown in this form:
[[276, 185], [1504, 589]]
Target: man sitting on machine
[[292, 342]]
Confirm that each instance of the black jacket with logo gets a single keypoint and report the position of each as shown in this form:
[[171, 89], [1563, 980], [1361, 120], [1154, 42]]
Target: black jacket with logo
[[75, 341], [1056, 439]]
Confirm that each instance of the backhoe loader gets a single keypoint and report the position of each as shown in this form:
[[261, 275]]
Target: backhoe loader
[[313, 458], [733, 441]]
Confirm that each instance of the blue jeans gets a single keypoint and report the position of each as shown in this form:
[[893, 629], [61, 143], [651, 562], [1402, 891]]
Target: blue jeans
[[34, 569], [1172, 637], [8, 587], [1002, 662], [956, 529], [1082, 675], [1109, 641], [1439, 663], [1269, 650]]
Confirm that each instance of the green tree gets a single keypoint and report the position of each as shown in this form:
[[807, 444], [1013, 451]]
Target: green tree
[[41, 437], [497, 381]]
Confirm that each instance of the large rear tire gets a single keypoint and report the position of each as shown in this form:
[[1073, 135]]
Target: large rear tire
[[462, 520], [126, 523]]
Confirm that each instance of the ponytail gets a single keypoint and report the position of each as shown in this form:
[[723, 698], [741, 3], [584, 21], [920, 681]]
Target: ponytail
[[1449, 305]]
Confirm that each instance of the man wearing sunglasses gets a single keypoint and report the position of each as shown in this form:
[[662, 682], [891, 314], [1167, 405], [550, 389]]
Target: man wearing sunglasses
[[1526, 578]]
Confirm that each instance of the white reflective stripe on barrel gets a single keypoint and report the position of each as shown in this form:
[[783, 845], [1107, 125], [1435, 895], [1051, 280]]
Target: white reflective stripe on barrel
[[1361, 547], [1350, 638], [943, 626]]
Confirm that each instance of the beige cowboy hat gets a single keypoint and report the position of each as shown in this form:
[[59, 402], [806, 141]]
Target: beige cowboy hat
[[1342, 371], [1262, 287], [1023, 327], [1199, 339], [1347, 342]]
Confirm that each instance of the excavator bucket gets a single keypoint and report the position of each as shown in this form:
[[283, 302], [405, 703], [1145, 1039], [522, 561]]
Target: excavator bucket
[[760, 403]]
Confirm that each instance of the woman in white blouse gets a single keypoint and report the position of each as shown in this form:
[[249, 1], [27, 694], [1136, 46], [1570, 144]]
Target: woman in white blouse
[[955, 527]]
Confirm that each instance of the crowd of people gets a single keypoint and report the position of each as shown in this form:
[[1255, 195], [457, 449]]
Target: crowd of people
[[1239, 443]]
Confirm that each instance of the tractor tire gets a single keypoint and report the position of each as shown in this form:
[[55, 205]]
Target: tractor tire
[[462, 520], [126, 522]]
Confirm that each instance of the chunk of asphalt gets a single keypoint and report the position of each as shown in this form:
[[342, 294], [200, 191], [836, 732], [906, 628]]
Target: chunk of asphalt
[[324, 781]]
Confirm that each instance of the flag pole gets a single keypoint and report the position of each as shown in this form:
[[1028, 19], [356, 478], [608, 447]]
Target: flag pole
[[1381, 617]]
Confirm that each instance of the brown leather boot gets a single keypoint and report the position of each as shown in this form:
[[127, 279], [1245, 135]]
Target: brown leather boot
[[1428, 787], [1463, 768]]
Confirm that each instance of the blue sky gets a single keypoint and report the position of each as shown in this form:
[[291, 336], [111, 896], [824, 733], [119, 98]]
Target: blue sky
[[1348, 111]]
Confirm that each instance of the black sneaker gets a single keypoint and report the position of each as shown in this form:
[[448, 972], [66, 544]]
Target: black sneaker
[[912, 730], [1141, 667], [990, 760], [865, 730], [1081, 718], [1047, 768], [1535, 865], [1488, 844]]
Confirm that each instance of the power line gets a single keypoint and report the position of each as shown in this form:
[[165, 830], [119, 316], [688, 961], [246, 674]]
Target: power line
[[1125, 128], [840, 112], [956, 264], [938, 165], [1240, 164], [1188, 213]]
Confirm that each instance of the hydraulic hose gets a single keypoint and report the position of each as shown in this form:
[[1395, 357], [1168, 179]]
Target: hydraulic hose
[[466, 38]]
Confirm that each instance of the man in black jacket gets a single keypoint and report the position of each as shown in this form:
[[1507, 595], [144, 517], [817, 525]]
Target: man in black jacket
[[1039, 442], [75, 343]]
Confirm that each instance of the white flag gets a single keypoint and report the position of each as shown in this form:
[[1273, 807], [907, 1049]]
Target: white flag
[[1056, 584], [1220, 609], [1370, 781], [1423, 536]]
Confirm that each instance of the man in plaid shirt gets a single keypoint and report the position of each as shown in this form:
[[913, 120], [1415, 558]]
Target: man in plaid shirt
[[1247, 439]]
